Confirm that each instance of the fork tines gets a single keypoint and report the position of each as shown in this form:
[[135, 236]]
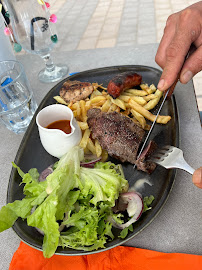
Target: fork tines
[[162, 153]]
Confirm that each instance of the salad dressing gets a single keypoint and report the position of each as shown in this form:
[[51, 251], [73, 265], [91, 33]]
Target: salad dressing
[[63, 125]]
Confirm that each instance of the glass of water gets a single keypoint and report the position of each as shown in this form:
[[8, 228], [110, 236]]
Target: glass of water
[[17, 104]]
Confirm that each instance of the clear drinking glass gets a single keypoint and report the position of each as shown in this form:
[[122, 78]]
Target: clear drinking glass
[[6, 50], [34, 31], [17, 104]]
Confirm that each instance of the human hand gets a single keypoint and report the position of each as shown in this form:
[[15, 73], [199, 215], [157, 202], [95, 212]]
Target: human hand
[[182, 29], [197, 177]]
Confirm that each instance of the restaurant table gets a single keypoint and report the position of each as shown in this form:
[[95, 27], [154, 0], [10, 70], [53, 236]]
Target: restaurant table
[[178, 226]]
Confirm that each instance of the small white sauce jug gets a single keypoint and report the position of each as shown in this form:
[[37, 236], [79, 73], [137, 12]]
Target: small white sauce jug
[[55, 141]]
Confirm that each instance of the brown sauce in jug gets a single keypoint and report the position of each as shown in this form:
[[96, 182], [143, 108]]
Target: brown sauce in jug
[[63, 125]]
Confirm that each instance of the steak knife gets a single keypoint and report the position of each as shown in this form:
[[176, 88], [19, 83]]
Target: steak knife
[[167, 94]]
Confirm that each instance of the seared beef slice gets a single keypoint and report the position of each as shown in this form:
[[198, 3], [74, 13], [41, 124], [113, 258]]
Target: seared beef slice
[[116, 133], [142, 163]]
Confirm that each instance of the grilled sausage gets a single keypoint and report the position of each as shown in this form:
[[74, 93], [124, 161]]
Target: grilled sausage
[[123, 81]]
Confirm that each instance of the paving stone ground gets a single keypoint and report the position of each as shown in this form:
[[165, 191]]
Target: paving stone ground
[[90, 24]]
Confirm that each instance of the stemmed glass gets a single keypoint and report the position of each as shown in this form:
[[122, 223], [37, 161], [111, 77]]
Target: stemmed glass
[[35, 32]]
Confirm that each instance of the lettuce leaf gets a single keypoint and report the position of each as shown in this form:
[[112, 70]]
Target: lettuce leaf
[[125, 231], [10, 212], [44, 219], [78, 198], [103, 182], [86, 234], [147, 202]]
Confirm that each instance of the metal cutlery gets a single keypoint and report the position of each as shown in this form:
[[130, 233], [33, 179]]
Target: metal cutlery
[[171, 157]]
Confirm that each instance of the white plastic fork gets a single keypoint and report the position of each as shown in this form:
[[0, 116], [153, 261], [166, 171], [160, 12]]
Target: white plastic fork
[[171, 157]]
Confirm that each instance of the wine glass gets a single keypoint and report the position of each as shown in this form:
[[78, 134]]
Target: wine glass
[[35, 31]]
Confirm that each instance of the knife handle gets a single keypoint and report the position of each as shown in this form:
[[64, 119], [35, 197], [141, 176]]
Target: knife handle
[[172, 87]]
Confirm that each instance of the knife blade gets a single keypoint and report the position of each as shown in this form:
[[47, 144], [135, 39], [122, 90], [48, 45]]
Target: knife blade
[[167, 94]]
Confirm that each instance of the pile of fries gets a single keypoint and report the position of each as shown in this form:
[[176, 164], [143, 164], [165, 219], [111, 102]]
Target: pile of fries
[[133, 103]]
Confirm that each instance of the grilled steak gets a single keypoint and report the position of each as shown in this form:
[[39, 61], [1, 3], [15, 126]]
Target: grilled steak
[[116, 133], [75, 90], [142, 163], [122, 82]]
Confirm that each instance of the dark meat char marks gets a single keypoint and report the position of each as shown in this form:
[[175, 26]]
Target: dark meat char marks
[[123, 82], [117, 134]]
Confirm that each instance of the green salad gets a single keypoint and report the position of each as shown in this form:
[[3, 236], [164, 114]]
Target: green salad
[[73, 206]]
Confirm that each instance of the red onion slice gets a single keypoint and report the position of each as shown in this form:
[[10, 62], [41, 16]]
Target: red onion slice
[[45, 173], [135, 208], [91, 163]]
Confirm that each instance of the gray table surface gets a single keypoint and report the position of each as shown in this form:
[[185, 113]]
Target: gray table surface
[[178, 227]]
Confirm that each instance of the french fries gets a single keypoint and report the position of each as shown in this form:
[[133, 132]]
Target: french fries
[[105, 107], [140, 118], [147, 114], [91, 146], [120, 103], [97, 99], [135, 92], [82, 125], [83, 110], [85, 137], [133, 103], [149, 97], [153, 102], [148, 89], [98, 148], [139, 100], [60, 100]]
